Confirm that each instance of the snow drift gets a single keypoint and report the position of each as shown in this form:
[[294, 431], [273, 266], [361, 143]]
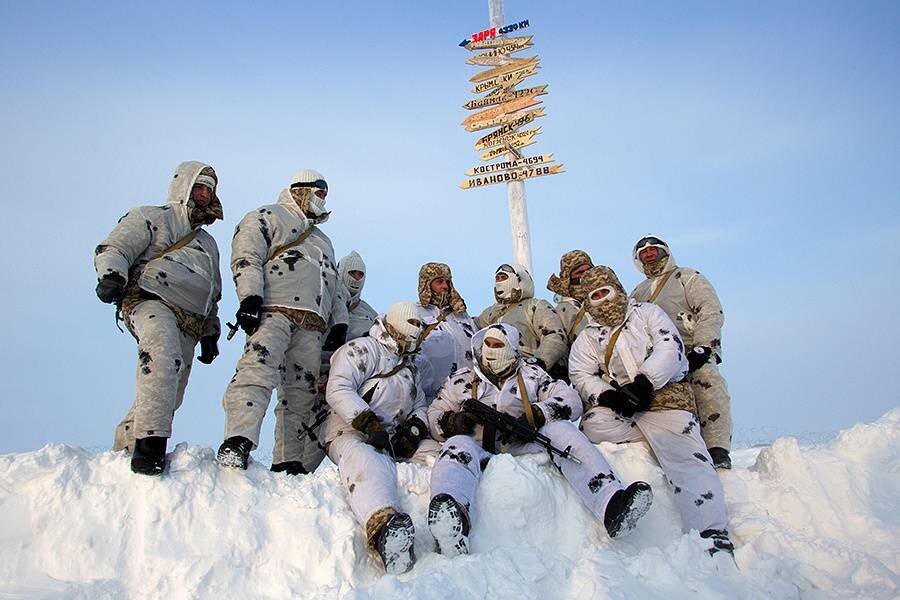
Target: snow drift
[[817, 521]]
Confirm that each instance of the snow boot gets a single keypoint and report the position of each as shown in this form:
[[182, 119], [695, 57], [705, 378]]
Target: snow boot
[[394, 543], [626, 507], [720, 541], [291, 467], [448, 521], [721, 458], [149, 456], [234, 452]]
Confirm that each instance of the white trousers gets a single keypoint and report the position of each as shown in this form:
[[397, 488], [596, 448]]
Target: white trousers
[[368, 477], [674, 437], [462, 459], [164, 365]]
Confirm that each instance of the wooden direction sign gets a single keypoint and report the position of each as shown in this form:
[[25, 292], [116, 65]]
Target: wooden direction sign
[[506, 119], [516, 140], [497, 56], [498, 137], [498, 42], [507, 165], [507, 176], [505, 108], [514, 64], [501, 96], [507, 80]]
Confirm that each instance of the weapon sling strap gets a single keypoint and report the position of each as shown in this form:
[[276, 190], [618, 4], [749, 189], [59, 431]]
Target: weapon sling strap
[[612, 344], [503, 312], [300, 239], [578, 317], [662, 284], [397, 368], [526, 405], [432, 326]]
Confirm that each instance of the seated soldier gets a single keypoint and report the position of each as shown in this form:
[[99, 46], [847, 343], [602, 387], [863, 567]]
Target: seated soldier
[[572, 312], [501, 380], [628, 365]]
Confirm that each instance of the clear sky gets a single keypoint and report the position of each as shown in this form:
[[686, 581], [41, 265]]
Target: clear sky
[[761, 139]]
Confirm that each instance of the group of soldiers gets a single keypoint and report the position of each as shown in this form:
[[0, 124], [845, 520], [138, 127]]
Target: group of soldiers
[[423, 380]]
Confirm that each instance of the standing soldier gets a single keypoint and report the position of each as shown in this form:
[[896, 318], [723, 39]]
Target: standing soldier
[[540, 329], [691, 302], [572, 312], [288, 286], [161, 269]]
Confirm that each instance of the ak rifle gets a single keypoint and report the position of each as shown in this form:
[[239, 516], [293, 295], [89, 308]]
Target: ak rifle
[[513, 428]]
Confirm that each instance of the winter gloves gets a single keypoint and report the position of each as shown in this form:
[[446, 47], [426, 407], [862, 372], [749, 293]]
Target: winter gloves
[[408, 436], [367, 422], [539, 418], [630, 398], [336, 338], [457, 423], [248, 315], [209, 349], [111, 288], [697, 357]]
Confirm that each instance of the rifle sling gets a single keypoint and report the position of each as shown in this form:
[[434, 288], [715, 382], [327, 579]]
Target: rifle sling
[[661, 285], [612, 344], [300, 239], [432, 326], [503, 312], [577, 320]]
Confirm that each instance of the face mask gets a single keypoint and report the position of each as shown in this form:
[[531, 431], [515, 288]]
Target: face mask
[[497, 360], [507, 291], [316, 206], [607, 305], [402, 323], [354, 285]]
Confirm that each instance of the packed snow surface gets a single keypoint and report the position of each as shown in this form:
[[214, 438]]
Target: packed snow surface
[[817, 521]]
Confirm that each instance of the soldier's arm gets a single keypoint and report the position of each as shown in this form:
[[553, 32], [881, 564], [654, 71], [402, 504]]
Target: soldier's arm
[[125, 243], [667, 357], [709, 317], [549, 329], [250, 250], [584, 370]]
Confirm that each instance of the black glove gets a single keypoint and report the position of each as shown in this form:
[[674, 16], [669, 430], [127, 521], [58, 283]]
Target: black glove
[[248, 315], [559, 371], [697, 357], [408, 436], [209, 349], [539, 418], [368, 423], [638, 394], [617, 401], [336, 338], [111, 288], [457, 423]]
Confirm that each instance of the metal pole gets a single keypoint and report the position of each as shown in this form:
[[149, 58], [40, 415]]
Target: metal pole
[[515, 190]]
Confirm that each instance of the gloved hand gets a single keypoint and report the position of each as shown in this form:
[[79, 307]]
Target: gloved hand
[[617, 401], [539, 418], [111, 288], [248, 315], [697, 357], [209, 349], [638, 394], [408, 436], [368, 423], [457, 423], [336, 338]]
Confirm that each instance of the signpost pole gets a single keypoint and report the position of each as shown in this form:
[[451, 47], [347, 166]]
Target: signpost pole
[[515, 190]]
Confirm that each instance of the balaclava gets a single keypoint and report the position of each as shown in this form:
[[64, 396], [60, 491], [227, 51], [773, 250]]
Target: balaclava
[[397, 322], [205, 215], [352, 262], [563, 284], [303, 184], [498, 361], [608, 310], [660, 264], [449, 299], [517, 287]]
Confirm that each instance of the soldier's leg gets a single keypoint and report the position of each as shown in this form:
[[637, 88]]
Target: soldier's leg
[[674, 437], [458, 469], [258, 372], [159, 371], [714, 406], [601, 424], [294, 413], [188, 344]]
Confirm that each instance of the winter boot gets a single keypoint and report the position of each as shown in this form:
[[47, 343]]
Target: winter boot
[[721, 458], [291, 467], [234, 452], [149, 456], [448, 521], [626, 507], [394, 543], [720, 541]]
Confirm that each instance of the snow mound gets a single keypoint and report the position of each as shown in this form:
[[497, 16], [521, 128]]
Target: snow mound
[[808, 521]]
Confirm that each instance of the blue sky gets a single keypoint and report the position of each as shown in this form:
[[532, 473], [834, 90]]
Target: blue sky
[[762, 141]]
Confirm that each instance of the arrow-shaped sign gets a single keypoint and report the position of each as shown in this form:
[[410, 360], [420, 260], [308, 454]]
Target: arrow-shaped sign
[[531, 115], [507, 176], [505, 108], [519, 140], [508, 165], [507, 80], [497, 137], [498, 42], [514, 64], [497, 56], [500, 96]]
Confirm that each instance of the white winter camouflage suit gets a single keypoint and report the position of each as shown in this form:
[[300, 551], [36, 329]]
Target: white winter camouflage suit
[[649, 345], [369, 477], [187, 279], [462, 458], [541, 331], [303, 280], [691, 302]]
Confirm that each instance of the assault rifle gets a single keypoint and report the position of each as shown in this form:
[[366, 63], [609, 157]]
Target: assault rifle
[[511, 427], [321, 416]]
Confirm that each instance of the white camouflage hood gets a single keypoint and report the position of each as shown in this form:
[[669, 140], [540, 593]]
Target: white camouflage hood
[[669, 261]]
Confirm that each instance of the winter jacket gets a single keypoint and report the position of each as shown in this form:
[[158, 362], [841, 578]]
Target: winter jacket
[[354, 367], [574, 320], [188, 277], [689, 300], [303, 277], [556, 400], [361, 316], [541, 330], [648, 344]]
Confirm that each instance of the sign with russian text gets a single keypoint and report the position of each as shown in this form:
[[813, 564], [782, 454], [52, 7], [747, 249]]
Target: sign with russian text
[[509, 165], [509, 176], [501, 96]]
